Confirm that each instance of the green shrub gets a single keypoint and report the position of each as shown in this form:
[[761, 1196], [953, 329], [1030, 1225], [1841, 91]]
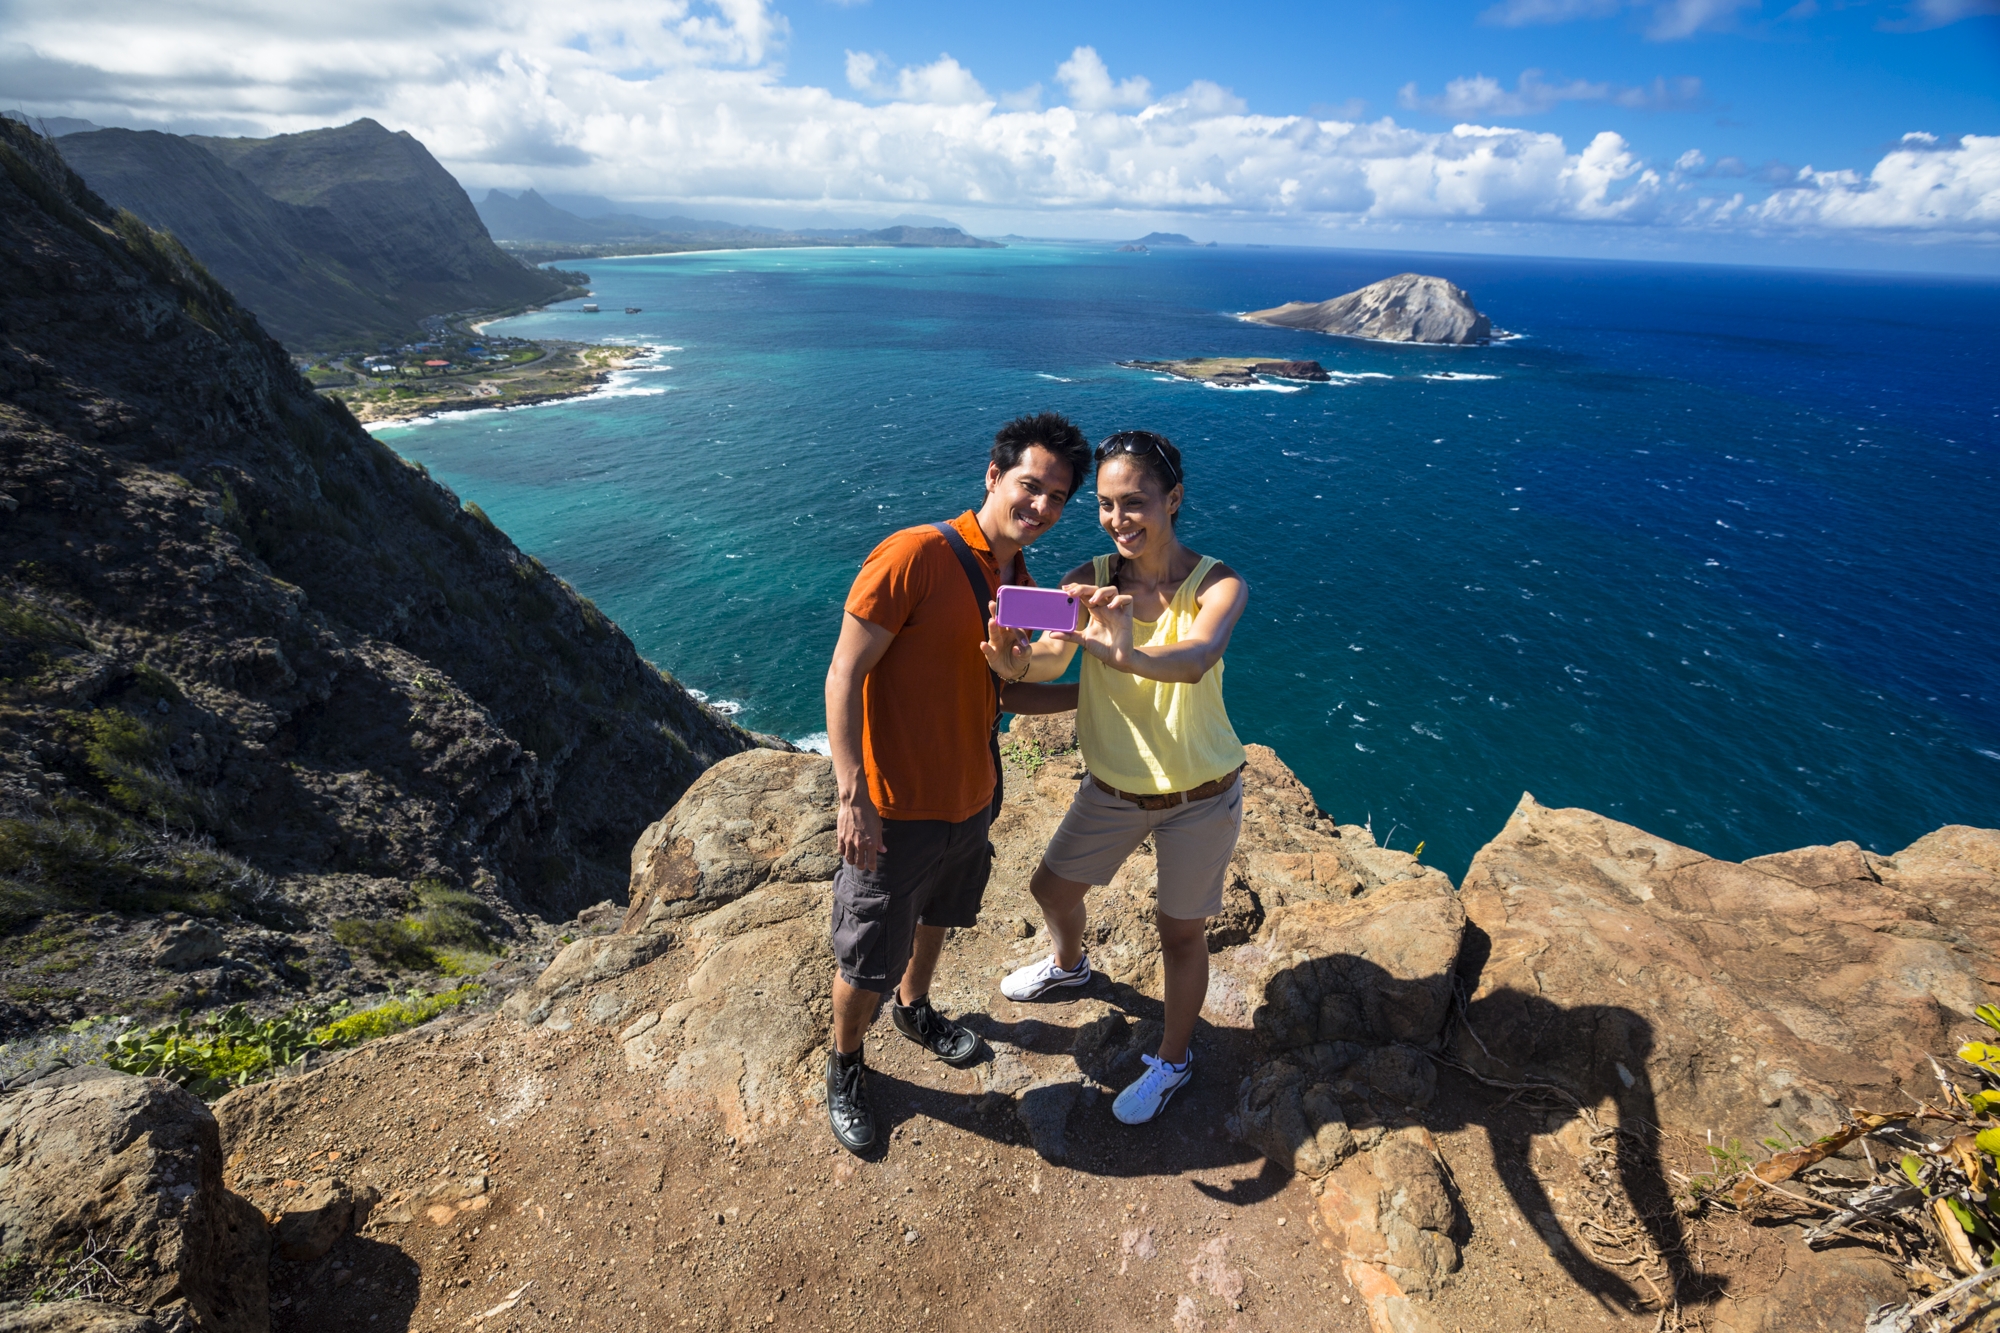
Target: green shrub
[[128, 756], [446, 922], [85, 858], [217, 1052]]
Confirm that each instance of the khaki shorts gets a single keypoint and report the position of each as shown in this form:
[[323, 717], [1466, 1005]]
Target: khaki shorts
[[1193, 844]]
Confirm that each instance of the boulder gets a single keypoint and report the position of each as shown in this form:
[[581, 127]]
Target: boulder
[[1371, 969], [313, 1223], [187, 945], [1705, 995], [756, 817], [1410, 307], [581, 963], [133, 1166]]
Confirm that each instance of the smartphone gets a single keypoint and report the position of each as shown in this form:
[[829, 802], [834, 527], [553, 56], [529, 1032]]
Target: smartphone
[[1036, 608]]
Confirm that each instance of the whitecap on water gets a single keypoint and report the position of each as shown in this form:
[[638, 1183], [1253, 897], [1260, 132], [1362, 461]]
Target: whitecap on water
[[817, 743], [1358, 375], [726, 707], [1059, 379], [1253, 388], [1460, 375]]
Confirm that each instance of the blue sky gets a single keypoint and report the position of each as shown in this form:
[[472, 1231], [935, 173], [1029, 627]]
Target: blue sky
[[1837, 87], [1820, 131]]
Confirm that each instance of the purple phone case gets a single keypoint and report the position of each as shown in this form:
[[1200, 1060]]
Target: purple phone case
[[1036, 608]]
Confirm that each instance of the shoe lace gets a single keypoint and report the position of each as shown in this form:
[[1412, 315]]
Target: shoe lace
[[1159, 1071], [853, 1079]]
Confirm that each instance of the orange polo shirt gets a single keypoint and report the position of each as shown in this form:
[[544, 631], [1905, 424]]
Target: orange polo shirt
[[927, 707]]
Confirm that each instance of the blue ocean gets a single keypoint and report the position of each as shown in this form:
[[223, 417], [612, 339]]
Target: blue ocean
[[1713, 551]]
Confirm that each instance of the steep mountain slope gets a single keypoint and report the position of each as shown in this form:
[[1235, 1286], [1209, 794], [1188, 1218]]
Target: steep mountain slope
[[252, 664], [404, 214], [276, 257], [332, 237]]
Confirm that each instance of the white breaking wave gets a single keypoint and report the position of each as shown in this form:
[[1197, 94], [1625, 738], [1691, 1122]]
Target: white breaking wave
[[726, 707], [1252, 388], [1059, 379], [1460, 375], [817, 743]]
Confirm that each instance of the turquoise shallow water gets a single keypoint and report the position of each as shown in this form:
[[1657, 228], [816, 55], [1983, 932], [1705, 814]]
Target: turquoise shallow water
[[1709, 550]]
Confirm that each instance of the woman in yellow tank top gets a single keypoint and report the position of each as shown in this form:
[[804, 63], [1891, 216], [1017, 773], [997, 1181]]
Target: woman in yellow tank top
[[1163, 760]]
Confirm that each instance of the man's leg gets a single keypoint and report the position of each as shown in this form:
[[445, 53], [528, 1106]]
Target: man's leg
[[1184, 959], [853, 1010], [925, 947], [1061, 901]]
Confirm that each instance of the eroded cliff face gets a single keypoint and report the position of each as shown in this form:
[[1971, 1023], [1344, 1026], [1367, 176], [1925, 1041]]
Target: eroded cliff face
[[253, 664]]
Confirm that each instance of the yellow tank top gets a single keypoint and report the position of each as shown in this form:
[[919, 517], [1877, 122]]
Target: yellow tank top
[[1153, 736]]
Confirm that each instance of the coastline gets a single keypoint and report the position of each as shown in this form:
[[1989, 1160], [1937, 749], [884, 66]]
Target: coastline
[[595, 375]]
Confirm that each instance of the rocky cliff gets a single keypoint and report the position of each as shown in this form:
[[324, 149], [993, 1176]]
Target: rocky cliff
[[1409, 307], [256, 669], [333, 237]]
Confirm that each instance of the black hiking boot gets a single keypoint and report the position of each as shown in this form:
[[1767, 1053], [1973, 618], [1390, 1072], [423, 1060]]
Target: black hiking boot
[[847, 1108], [935, 1033]]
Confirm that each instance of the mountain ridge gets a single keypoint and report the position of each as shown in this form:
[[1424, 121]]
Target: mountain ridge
[[332, 237]]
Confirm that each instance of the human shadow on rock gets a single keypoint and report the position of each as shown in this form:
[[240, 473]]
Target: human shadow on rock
[[1067, 1120], [1349, 1063], [363, 1284]]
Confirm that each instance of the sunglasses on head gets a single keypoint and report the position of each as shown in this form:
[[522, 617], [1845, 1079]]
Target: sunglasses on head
[[1139, 442]]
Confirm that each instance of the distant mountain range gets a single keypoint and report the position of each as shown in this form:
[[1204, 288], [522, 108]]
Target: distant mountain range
[[533, 226], [334, 238]]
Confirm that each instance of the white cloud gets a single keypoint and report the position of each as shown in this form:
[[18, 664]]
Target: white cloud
[[1671, 19], [1692, 160], [680, 100], [1482, 95], [1090, 86], [943, 82], [1919, 187]]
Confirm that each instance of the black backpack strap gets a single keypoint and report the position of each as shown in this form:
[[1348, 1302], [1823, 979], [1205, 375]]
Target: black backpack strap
[[982, 593], [975, 577]]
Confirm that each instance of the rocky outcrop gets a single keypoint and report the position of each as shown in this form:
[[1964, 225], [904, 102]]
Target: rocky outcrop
[[1410, 307], [1234, 372], [1733, 998], [229, 613], [131, 1169]]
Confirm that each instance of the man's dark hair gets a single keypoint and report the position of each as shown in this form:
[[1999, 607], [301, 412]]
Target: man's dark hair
[[1054, 432]]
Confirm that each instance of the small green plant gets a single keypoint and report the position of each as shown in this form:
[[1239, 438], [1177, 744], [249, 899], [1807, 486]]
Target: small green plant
[[216, 1052], [128, 755], [446, 927]]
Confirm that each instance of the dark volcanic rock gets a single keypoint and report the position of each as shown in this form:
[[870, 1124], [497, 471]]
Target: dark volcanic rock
[[1409, 307], [229, 613], [331, 236]]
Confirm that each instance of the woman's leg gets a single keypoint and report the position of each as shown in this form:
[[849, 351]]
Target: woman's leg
[[1062, 907], [1184, 959]]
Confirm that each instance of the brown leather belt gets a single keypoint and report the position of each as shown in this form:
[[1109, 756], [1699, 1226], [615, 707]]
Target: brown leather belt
[[1168, 800]]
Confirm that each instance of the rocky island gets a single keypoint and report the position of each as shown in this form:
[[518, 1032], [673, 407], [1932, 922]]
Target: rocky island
[[1410, 307], [1233, 372]]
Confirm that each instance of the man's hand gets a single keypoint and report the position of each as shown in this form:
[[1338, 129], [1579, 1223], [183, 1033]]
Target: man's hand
[[860, 832], [1006, 650]]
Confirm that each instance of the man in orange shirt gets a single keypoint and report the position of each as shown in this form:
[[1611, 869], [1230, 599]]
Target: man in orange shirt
[[910, 705]]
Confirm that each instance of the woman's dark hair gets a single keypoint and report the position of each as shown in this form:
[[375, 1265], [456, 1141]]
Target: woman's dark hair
[[1155, 454], [1051, 430]]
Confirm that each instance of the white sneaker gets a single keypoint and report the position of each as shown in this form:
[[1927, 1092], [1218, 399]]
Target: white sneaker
[[1149, 1095], [1036, 978]]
